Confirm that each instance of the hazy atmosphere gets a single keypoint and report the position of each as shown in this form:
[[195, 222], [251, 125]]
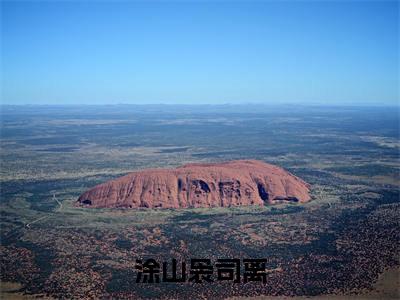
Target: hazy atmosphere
[[89, 52]]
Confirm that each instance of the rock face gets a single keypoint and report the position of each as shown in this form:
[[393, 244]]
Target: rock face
[[234, 183]]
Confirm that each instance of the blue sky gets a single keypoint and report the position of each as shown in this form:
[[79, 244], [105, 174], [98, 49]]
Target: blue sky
[[271, 52]]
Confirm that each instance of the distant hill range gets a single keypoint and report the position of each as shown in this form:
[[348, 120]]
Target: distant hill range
[[233, 183]]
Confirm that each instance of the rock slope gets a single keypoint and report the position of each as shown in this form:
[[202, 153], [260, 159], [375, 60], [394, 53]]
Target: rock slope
[[234, 183]]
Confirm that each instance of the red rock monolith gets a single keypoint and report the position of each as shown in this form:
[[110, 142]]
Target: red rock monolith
[[234, 183]]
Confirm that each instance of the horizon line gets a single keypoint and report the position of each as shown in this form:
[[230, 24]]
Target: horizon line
[[207, 104]]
